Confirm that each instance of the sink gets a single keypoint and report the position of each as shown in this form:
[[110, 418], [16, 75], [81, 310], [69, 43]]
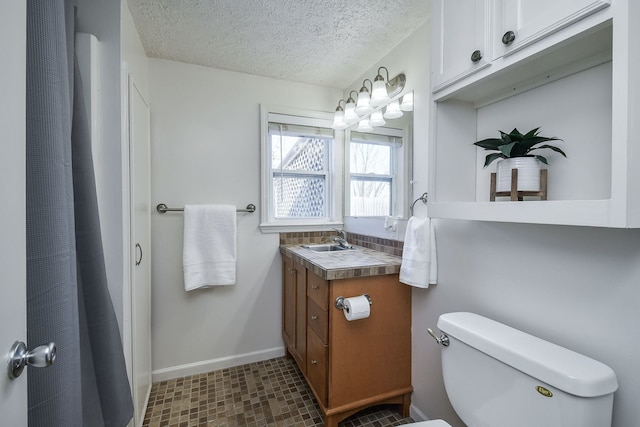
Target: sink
[[326, 247]]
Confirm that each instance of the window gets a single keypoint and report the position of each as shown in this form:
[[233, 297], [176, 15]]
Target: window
[[375, 184], [298, 155]]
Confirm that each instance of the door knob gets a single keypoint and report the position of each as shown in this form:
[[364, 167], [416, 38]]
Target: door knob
[[39, 357]]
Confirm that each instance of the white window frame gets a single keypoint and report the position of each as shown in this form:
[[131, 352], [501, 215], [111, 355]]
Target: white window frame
[[400, 172], [333, 185]]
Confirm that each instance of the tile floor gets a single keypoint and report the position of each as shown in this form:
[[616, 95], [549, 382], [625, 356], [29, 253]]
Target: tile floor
[[268, 393]]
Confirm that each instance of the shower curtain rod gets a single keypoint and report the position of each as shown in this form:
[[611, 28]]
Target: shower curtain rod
[[162, 208]]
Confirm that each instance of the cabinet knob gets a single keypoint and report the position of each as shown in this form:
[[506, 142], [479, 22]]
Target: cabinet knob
[[314, 362], [314, 317], [476, 56], [314, 287], [508, 38]]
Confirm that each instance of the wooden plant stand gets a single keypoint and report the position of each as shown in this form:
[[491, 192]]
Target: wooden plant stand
[[514, 194]]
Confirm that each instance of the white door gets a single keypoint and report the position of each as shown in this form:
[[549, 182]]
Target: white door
[[139, 140], [13, 321]]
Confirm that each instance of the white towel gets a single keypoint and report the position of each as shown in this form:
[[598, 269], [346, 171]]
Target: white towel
[[419, 260], [209, 251]]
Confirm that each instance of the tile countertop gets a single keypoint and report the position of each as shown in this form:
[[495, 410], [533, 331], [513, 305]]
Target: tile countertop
[[359, 262]]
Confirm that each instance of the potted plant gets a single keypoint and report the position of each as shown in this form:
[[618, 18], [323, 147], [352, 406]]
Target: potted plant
[[514, 150]]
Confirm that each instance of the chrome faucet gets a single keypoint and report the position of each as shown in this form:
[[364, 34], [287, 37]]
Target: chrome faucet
[[342, 240]]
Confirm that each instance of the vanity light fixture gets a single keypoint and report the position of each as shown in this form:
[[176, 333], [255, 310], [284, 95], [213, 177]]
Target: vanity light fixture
[[407, 102], [350, 115], [364, 98], [364, 126], [365, 104], [377, 119], [338, 117], [393, 110]]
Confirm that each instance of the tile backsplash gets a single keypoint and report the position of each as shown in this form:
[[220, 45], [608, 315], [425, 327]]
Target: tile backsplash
[[393, 247]]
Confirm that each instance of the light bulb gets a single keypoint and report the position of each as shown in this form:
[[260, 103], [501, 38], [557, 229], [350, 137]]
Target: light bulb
[[379, 95], [364, 126], [364, 107], [407, 102], [376, 119], [393, 110], [338, 120]]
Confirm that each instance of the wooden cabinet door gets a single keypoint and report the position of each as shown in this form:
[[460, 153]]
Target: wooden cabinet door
[[460, 29], [288, 303], [531, 20], [301, 315]]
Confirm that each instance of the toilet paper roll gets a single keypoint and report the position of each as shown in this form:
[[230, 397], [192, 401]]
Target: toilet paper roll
[[356, 308]]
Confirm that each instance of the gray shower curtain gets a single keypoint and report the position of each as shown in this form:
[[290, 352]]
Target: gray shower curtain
[[68, 301]]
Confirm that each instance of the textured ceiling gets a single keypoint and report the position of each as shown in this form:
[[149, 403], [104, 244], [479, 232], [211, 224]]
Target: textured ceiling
[[325, 42]]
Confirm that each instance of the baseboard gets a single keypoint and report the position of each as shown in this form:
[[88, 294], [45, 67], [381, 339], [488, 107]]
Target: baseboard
[[215, 364], [417, 414]]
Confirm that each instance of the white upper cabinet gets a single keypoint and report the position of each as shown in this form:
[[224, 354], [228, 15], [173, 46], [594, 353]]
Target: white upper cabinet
[[573, 70], [518, 23], [462, 30]]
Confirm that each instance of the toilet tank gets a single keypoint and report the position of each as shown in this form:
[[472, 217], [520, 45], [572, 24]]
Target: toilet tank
[[497, 376]]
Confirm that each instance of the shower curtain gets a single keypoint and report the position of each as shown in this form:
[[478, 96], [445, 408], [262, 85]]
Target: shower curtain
[[68, 301]]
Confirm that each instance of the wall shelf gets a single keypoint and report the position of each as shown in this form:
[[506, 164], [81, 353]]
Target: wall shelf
[[575, 85]]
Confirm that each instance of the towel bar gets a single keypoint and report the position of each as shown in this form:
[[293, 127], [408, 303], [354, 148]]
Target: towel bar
[[162, 208]]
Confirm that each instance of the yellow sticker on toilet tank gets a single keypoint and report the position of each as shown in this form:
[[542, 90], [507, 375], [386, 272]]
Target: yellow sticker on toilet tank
[[544, 391]]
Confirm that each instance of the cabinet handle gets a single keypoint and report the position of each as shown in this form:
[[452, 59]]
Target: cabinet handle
[[314, 362], [138, 260], [314, 317], [476, 56], [508, 38]]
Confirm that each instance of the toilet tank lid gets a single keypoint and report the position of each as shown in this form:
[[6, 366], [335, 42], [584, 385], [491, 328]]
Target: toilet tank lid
[[557, 366]]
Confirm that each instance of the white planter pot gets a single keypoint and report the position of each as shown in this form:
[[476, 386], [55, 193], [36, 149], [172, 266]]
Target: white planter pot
[[528, 173]]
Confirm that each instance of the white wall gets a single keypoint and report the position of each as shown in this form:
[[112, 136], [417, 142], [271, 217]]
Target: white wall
[[410, 57], [205, 146]]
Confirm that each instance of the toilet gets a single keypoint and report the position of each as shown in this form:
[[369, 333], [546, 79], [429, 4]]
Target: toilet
[[497, 376]]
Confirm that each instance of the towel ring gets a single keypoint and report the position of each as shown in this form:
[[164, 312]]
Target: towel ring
[[423, 198]]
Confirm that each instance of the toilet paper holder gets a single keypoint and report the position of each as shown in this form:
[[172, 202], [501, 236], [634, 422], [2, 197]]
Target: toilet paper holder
[[339, 302]]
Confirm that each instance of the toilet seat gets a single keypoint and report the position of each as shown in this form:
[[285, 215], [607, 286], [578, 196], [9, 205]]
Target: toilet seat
[[433, 423]]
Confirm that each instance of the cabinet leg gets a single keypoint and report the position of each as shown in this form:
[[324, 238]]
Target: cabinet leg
[[406, 405], [331, 421]]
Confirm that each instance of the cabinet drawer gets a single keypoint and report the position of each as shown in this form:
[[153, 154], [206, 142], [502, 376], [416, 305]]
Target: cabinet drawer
[[317, 366], [318, 320], [318, 290]]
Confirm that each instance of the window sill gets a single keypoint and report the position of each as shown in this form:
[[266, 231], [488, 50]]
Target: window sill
[[290, 227]]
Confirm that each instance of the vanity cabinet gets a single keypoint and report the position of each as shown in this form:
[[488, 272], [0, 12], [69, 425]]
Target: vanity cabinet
[[351, 365], [575, 74], [294, 296]]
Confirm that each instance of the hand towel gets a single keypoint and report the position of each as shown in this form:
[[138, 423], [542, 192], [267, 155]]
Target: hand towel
[[209, 251], [419, 259]]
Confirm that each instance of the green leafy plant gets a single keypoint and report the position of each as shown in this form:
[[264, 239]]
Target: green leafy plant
[[516, 144]]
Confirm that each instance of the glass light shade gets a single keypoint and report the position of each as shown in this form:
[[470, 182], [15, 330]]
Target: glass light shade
[[376, 119], [363, 106], [379, 95], [364, 126], [393, 110], [407, 102], [338, 120], [350, 115]]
